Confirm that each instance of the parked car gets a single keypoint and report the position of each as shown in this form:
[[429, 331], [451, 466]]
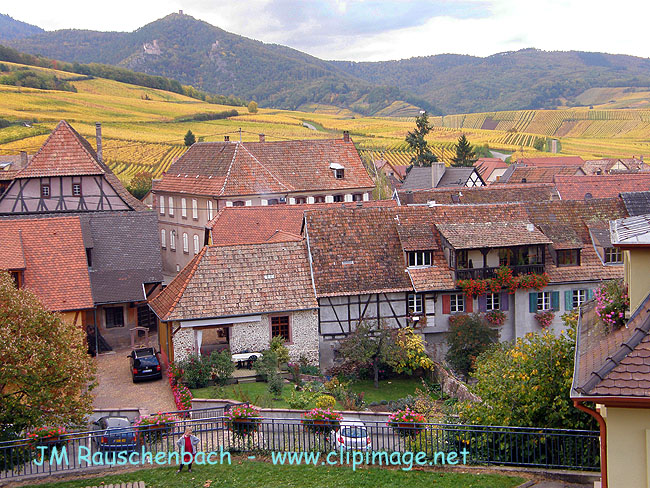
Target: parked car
[[115, 434], [145, 364], [351, 435]]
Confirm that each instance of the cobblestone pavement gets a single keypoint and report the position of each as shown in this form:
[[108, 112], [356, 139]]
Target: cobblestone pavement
[[115, 388]]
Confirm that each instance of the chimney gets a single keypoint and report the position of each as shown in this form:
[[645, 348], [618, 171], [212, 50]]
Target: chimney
[[180, 12], [262, 138], [408, 197], [226, 138], [346, 136], [23, 159], [437, 170], [98, 135]]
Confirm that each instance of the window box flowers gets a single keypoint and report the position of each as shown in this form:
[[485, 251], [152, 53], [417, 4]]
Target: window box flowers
[[545, 318], [47, 436], [503, 279], [243, 420], [321, 421], [407, 423], [496, 318], [152, 428]]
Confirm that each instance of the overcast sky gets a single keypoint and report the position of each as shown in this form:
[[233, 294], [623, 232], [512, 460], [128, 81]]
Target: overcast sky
[[374, 30]]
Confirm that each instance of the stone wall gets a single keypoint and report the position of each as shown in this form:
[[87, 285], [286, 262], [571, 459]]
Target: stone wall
[[184, 343], [251, 336]]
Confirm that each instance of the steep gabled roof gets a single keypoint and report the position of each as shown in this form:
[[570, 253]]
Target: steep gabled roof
[[254, 168], [552, 161], [421, 178], [53, 259], [477, 235], [600, 186], [636, 203], [231, 281], [535, 174], [495, 193], [631, 231]]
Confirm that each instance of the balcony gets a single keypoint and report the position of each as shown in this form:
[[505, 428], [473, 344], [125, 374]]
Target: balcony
[[486, 273]]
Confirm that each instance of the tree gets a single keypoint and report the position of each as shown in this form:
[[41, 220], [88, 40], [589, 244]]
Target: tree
[[469, 335], [465, 154], [416, 140], [527, 383], [140, 184], [189, 138], [539, 144], [46, 373], [369, 344], [252, 107]]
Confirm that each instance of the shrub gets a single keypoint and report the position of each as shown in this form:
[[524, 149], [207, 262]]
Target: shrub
[[612, 301], [294, 371], [309, 369], [401, 403], [469, 335], [325, 402], [197, 371], [222, 366], [280, 350], [410, 353], [301, 400], [267, 365], [353, 401], [337, 388], [276, 385]]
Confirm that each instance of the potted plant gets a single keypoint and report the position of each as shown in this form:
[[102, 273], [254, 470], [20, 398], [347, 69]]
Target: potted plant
[[243, 420], [545, 318], [151, 428], [47, 436], [407, 423], [496, 318], [321, 421]]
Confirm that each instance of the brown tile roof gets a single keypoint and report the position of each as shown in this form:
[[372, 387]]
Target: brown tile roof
[[547, 162], [600, 186], [274, 223], [536, 174], [232, 281], [612, 363], [254, 168], [495, 193], [478, 235], [485, 166], [54, 259]]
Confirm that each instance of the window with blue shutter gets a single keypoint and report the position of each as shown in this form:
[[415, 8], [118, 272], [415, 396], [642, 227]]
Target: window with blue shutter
[[555, 300], [532, 302], [568, 300]]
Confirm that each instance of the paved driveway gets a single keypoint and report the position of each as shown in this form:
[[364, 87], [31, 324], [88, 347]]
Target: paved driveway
[[115, 388]]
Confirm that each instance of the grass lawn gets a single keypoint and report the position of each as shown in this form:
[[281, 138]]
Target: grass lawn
[[257, 393], [255, 474]]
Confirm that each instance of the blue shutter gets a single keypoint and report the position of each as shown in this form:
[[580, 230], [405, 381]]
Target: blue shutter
[[504, 302], [532, 302], [482, 303], [555, 300], [590, 294], [568, 300]]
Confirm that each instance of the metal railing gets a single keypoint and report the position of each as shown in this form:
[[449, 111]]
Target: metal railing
[[474, 444]]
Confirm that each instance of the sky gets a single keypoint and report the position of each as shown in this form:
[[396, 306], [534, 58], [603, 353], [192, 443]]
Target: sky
[[377, 30]]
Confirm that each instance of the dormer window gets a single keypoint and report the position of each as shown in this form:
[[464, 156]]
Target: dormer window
[[613, 255], [568, 257], [339, 170], [419, 258]]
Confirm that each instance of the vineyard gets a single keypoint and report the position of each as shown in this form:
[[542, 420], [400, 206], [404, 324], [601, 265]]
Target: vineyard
[[143, 128]]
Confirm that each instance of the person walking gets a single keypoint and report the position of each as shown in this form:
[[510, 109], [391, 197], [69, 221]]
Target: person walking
[[187, 445]]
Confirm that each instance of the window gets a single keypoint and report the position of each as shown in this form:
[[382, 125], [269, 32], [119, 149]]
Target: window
[[568, 257], [196, 244], [114, 317], [172, 240], [45, 191], [339, 174], [163, 239], [543, 300], [578, 298], [239, 203], [463, 262], [613, 255], [457, 303], [300, 200], [272, 201], [171, 206], [195, 209], [161, 204], [319, 199], [492, 301], [415, 306], [17, 276], [357, 197], [280, 327], [419, 258], [505, 257], [184, 208], [76, 189], [186, 244], [89, 256], [210, 210], [338, 198]]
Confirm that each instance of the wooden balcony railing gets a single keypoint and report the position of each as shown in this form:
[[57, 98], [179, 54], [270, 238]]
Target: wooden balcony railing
[[485, 273]]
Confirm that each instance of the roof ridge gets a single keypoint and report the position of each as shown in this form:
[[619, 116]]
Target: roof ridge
[[232, 161], [267, 170]]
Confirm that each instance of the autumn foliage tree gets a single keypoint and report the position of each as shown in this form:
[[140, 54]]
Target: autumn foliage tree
[[140, 184], [45, 373]]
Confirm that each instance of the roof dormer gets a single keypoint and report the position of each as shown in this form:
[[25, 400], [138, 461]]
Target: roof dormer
[[339, 170]]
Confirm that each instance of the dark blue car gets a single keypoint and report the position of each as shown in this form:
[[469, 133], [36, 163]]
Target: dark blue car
[[115, 434], [145, 364]]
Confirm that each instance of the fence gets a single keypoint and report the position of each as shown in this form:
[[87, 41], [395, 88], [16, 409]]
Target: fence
[[483, 445]]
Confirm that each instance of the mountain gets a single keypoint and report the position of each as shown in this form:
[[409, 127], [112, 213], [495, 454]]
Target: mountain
[[15, 29], [197, 53]]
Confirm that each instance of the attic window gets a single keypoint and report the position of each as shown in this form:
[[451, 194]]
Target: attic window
[[568, 257], [347, 263], [419, 258], [269, 276], [339, 170], [613, 255]]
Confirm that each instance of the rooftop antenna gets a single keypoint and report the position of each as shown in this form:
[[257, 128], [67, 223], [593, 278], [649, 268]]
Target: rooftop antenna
[[240, 134]]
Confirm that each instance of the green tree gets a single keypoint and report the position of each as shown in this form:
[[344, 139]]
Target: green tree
[[527, 383], [252, 107], [189, 138], [416, 140], [469, 335], [539, 144], [465, 154], [140, 184], [46, 373]]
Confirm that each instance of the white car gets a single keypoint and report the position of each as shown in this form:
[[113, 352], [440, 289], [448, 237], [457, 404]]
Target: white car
[[352, 435]]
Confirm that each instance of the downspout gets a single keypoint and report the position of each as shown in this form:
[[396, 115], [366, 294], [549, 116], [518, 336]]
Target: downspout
[[603, 439]]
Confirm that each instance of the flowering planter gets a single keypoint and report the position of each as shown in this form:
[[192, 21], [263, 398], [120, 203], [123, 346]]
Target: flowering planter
[[407, 423], [407, 429], [244, 427], [321, 421]]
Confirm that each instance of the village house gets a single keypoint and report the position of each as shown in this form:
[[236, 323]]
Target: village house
[[214, 175], [238, 298], [491, 169], [614, 165], [66, 175], [438, 175], [600, 186]]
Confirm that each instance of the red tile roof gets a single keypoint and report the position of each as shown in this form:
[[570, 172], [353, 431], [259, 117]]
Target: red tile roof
[[274, 223], [240, 280], [547, 162], [477, 235], [495, 193], [536, 174], [53, 258], [254, 168], [485, 166], [600, 186]]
